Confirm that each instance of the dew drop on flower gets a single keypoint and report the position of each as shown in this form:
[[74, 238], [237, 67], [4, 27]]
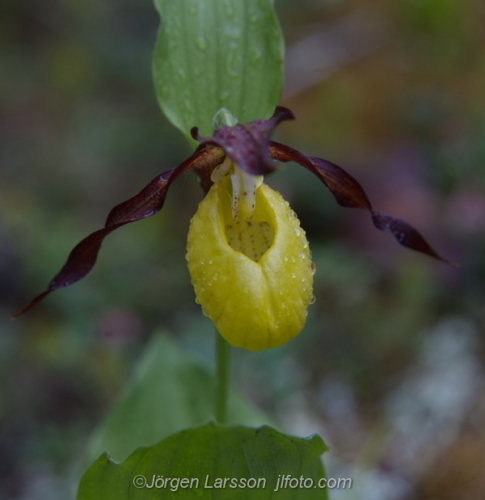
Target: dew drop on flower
[[313, 299], [314, 268]]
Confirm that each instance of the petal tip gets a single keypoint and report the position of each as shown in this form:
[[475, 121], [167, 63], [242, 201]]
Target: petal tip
[[194, 133], [31, 304], [282, 113]]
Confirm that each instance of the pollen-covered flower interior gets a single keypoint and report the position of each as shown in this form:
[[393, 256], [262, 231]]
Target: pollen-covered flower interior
[[250, 237], [253, 277]]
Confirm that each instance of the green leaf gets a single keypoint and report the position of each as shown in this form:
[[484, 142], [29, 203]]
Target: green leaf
[[217, 53], [168, 392], [204, 454]]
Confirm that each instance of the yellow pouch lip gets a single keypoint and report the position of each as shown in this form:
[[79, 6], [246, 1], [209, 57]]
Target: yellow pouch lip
[[254, 305]]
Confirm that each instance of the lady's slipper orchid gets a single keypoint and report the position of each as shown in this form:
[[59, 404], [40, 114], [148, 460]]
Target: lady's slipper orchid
[[248, 256], [252, 275]]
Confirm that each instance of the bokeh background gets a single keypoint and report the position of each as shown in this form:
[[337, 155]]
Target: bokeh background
[[390, 369]]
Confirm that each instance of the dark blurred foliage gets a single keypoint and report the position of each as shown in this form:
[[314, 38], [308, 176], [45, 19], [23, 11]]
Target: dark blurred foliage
[[390, 369]]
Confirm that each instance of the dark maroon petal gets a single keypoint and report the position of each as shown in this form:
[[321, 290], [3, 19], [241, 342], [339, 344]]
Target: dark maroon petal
[[349, 193], [247, 144], [146, 203], [403, 232]]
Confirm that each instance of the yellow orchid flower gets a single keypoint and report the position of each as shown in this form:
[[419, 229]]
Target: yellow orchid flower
[[252, 276], [247, 254]]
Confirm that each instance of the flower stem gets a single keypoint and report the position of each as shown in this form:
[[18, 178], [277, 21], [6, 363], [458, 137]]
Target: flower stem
[[223, 351]]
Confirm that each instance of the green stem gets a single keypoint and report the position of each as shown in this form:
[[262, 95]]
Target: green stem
[[223, 351]]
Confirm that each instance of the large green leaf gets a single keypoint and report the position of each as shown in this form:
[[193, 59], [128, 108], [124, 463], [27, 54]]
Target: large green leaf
[[204, 454], [169, 391], [217, 53]]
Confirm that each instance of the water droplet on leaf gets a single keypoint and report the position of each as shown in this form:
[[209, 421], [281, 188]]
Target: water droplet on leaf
[[233, 64], [181, 74], [228, 7], [255, 56], [201, 43]]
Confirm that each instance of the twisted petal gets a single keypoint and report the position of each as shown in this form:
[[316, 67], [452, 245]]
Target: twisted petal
[[247, 144], [252, 278], [146, 203], [349, 193]]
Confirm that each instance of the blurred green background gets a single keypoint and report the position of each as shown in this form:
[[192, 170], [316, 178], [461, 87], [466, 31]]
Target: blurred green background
[[390, 369]]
